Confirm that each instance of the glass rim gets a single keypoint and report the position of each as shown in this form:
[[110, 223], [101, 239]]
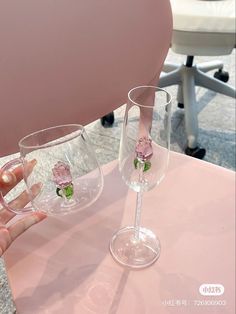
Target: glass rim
[[153, 87], [25, 146]]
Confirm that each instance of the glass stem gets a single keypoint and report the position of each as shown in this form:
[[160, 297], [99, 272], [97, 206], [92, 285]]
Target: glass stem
[[139, 203], [138, 215]]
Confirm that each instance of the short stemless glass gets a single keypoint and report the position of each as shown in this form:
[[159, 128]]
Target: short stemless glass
[[143, 162], [67, 174]]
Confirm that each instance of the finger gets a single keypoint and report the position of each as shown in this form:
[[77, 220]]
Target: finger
[[5, 216], [5, 239], [19, 202], [24, 198], [9, 179], [25, 223]]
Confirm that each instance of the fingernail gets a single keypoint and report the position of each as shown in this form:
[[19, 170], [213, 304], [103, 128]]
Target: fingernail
[[42, 215], [39, 185], [36, 188], [7, 177], [33, 161]]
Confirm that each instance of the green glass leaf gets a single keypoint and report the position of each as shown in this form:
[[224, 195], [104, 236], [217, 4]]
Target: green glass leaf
[[136, 163], [69, 191], [147, 166]]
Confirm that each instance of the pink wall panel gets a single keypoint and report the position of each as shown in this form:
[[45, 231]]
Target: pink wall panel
[[72, 61]]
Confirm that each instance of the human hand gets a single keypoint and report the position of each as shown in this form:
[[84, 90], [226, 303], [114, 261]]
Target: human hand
[[8, 180]]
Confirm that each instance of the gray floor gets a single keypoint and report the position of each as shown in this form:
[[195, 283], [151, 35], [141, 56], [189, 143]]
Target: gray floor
[[216, 116]]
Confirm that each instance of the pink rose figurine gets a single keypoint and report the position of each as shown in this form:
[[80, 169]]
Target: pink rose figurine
[[61, 174], [63, 179], [143, 149], [144, 153]]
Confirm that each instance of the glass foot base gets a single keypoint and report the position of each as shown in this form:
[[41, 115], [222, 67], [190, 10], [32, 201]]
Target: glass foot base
[[132, 251]]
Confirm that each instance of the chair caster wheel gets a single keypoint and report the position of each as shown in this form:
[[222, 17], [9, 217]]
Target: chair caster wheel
[[180, 105], [108, 120], [221, 76], [196, 152]]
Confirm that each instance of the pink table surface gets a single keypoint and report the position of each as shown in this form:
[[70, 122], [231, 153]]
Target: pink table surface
[[63, 265]]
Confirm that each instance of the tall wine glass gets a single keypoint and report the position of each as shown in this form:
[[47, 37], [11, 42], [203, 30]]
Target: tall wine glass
[[143, 161]]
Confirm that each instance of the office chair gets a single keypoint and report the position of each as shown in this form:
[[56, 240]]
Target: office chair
[[200, 28]]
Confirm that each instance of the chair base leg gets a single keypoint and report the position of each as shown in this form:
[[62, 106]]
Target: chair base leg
[[191, 122], [211, 65], [214, 84], [170, 78], [169, 67], [187, 77]]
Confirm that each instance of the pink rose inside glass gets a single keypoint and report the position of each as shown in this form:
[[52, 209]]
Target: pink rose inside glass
[[61, 175], [143, 149]]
